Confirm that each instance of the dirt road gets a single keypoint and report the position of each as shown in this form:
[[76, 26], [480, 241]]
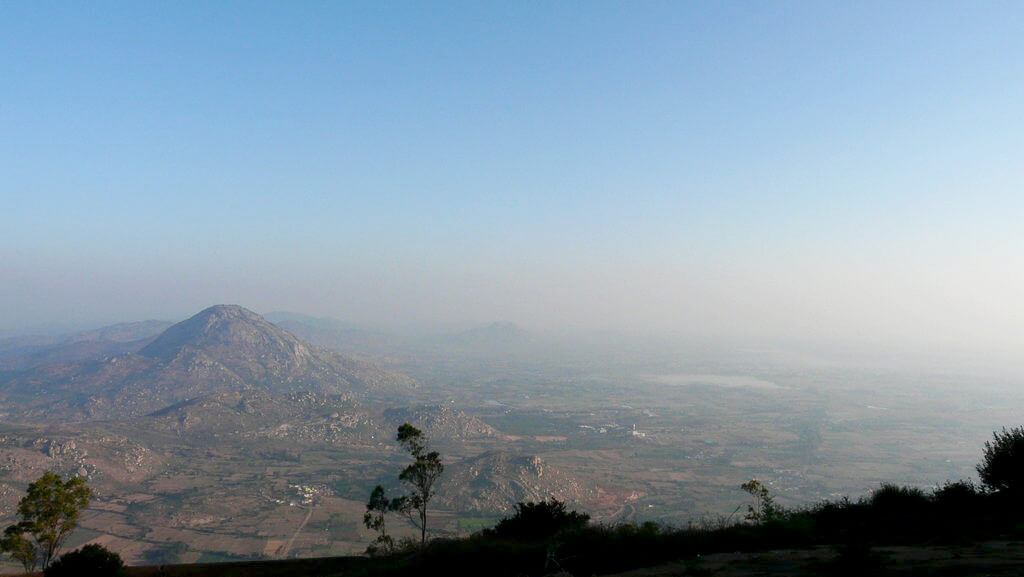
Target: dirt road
[[283, 551]]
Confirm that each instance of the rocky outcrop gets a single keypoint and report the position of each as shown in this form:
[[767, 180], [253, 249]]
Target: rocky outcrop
[[439, 422], [494, 482], [299, 417]]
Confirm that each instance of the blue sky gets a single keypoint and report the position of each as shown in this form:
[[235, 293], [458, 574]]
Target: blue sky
[[816, 170]]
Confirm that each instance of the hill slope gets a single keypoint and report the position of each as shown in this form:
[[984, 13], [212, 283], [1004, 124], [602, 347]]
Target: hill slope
[[21, 353], [495, 481], [222, 348]]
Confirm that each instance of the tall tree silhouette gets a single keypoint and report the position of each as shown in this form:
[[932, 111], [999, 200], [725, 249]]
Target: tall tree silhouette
[[419, 477]]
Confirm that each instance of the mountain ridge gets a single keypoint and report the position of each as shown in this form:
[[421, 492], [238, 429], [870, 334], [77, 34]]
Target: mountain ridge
[[223, 347]]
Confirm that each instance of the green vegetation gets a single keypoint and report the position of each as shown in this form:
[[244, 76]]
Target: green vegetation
[[166, 555], [1002, 465], [529, 543], [92, 560], [542, 538], [419, 477], [220, 557], [49, 513], [81, 536], [763, 508], [473, 524], [546, 537], [19, 548], [375, 519], [538, 521]]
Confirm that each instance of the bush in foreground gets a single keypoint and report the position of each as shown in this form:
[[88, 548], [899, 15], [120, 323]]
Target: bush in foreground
[[544, 538], [538, 521], [91, 560], [1002, 464]]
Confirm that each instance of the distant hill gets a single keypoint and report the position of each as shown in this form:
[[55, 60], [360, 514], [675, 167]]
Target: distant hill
[[494, 482], [439, 422], [497, 333], [222, 348], [498, 339], [308, 417], [335, 334], [278, 317], [20, 353], [298, 417], [122, 332]]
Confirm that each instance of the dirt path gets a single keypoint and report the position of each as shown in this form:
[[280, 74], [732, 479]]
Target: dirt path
[[623, 514], [283, 551]]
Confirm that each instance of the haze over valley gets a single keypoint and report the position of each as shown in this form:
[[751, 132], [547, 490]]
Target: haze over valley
[[627, 256], [226, 436]]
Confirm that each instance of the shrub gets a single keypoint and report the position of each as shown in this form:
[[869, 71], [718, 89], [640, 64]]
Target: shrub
[[1002, 465], [165, 555], [763, 509], [539, 521], [956, 495], [92, 560], [896, 499]]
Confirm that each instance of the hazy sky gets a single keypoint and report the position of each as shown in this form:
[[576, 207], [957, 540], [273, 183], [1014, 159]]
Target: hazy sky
[[847, 172]]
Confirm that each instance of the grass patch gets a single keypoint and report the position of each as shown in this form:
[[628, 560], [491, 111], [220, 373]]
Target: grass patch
[[80, 537], [474, 524], [220, 557]]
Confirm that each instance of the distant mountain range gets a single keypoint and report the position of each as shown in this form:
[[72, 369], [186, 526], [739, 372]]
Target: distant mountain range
[[19, 353], [308, 418], [334, 334], [222, 348], [498, 332], [225, 422]]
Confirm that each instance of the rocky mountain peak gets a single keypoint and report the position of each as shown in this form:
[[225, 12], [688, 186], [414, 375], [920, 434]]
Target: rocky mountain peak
[[227, 332], [222, 348]]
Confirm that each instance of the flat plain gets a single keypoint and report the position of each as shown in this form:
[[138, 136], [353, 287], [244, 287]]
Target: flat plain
[[666, 439]]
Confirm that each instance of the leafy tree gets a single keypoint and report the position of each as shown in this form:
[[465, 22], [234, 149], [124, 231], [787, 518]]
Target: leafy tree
[[419, 477], [92, 560], [49, 513], [1002, 465], [21, 549], [539, 520], [375, 519], [763, 509]]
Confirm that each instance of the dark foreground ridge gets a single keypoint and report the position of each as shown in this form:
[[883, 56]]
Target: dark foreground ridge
[[317, 567], [954, 530], [991, 558]]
